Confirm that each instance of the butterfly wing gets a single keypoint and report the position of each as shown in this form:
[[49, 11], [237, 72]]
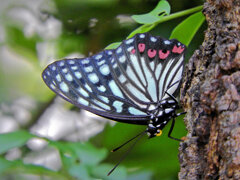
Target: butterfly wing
[[119, 84]]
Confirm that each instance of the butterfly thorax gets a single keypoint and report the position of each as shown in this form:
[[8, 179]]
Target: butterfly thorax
[[165, 111]]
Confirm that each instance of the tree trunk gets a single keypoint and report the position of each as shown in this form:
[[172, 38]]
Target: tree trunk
[[210, 95]]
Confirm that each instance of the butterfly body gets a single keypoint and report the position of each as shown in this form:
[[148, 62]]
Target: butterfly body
[[134, 83]]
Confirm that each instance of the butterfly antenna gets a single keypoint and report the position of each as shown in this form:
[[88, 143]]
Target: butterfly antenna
[[140, 135], [128, 141]]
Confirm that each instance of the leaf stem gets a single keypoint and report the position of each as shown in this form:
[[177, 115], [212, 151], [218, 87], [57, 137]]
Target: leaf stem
[[179, 14], [165, 18]]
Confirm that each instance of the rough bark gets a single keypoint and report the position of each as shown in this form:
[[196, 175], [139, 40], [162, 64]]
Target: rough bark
[[210, 95]]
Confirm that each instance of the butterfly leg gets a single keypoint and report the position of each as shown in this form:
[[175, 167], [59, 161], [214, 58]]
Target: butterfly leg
[[176, 115], [170, 131], [171, 96]]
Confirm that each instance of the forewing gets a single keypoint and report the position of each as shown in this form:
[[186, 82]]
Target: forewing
[[88, 83]]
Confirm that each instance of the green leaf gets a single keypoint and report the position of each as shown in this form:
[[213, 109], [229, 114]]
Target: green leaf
[[18, 166], [162, 9], [83, 152], [186, 30], [142, 29], [4, 165], [88, 154], [113, 45], [79, 171], [13, 140]]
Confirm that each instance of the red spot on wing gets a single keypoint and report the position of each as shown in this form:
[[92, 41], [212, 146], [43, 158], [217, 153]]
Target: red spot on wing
[[152, 53], [178, 50], [141, 47], [163, 55], [133, 51]]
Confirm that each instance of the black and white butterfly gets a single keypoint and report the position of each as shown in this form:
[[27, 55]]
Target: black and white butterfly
[[135, 83]]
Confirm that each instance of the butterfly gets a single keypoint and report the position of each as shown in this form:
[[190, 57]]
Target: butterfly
[[135, 83]]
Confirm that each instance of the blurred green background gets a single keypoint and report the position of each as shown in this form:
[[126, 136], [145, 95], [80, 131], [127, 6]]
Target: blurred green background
[[69, 143]]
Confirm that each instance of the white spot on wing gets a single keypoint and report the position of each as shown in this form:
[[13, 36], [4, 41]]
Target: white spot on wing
[[135, 111], [85, 61], [115, 65], [122, 59], [167, 42], [153, 39], [168, 110], [58, 77], [122, 78], [88, 87], [53, 68], [52, 86], [115, 89], [129, 41], [83, 92], [78, 75], [64, 87], [152, 107], [69, 77], [101, 88], [129, 49], [74, 67], [88, 69], [103, 98], [99, 63], [104, 70], [64, 70], [118, 106], [119, 50], [61, 63], [142, 35], [71, 62], [93, 78], [99, 56], [83, 101]]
